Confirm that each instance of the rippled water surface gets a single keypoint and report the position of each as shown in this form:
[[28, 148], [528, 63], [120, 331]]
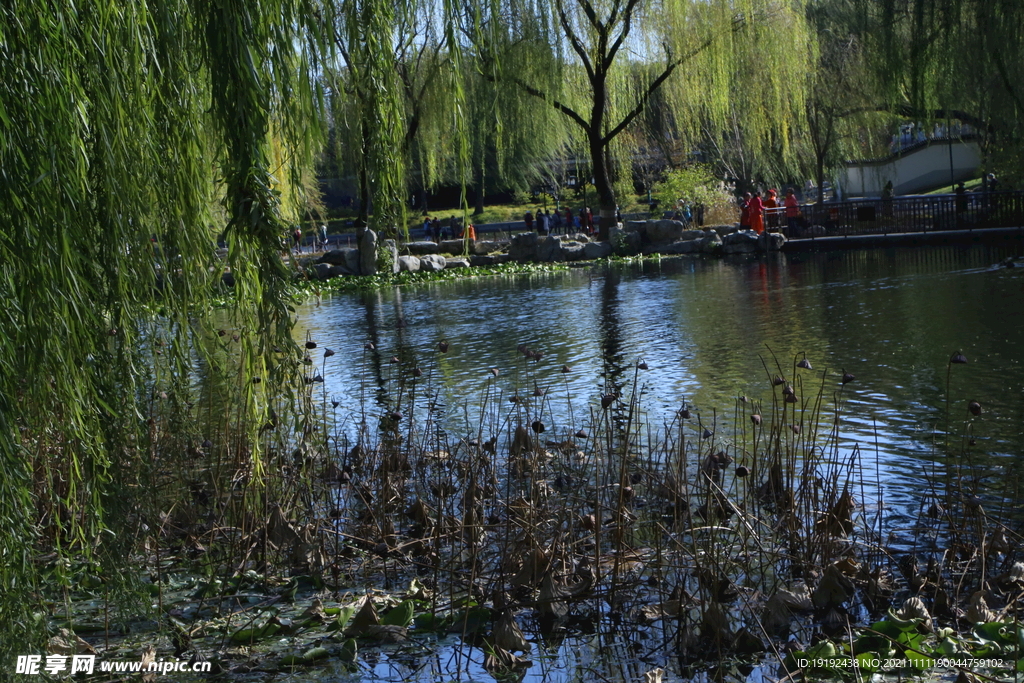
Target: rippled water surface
[[709, 332]]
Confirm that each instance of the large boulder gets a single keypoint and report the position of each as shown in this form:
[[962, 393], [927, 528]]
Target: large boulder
[[456, 263], [624, 242], [484, 260], [742, 242], [340, 257], [711, 243], [664, 231], [321, 271], [549, 249], [523, 247], [453, 247], [573, 251], [338, 271], [482, 248], [771, 241], [368, 253], [432, 263], [597, 250], [691, 235], [408, 264], [421, 248]]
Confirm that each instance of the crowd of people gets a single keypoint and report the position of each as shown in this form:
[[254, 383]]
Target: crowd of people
[[757, 214]]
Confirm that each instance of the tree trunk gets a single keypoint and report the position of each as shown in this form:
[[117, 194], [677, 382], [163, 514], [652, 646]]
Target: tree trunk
[[602, 185]]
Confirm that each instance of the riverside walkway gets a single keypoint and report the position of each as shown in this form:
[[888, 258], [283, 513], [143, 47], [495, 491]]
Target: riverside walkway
[[910, 220]]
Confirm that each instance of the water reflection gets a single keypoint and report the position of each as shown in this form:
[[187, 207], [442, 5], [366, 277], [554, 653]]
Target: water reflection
[[711, 331]]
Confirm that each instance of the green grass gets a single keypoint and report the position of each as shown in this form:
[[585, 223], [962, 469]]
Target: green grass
[[969, 185]]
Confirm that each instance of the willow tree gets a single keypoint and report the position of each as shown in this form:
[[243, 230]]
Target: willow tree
[[120, 125], [932, 57], [599, 63]]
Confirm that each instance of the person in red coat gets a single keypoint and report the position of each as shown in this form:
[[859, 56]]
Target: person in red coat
[[755, 208]]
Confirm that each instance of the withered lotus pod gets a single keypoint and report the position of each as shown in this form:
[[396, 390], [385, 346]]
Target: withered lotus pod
[[311, 345], [958, 358], [566, 369], [707, 433], [975, 408], [847, 377], [742, 471], [495, 372], [537, 391], [369, 346], [395, 415], [790, 398], [805, 364], [642, 365], [776, 381], [788, 390], [416, 372], [328, 352], [685, 413], [537, 426], [442, 346], [256, 380], [607, 400], [755, 418], [795, 428], [581, 434], [394, 360], [513, 399]]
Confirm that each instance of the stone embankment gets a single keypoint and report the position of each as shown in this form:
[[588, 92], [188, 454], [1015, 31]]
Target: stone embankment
[[630, 239]]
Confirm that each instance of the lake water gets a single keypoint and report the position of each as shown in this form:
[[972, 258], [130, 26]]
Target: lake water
[[707, 330]]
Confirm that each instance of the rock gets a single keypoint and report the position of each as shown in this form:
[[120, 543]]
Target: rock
[[488, 260], [368, 253], [337, 257], [742, 242], [456, 263], [453, 247], [391, 248], [523, 247], [771, 241], [484, 248], [573, 251], [432, 263], [681, 247], [711, 244], [321, 271], [420, 248], [636, 226], [549, 249], [692, 235], [337, 271], [724, 230], [664, 231], [597, 250], [578, 237], [624, 243], [409, 264]]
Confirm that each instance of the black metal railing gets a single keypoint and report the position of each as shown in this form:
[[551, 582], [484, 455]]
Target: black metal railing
[[917, 213]]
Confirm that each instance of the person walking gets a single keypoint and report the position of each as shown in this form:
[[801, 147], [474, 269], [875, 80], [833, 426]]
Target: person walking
[[771, 203], [528, 220]]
